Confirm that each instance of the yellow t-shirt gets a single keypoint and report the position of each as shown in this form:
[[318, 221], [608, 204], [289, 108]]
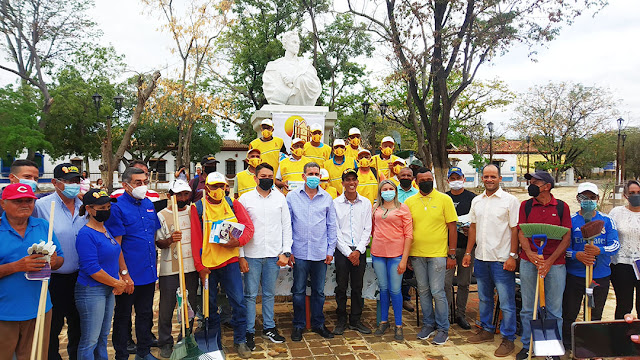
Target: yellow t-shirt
[[383, 165], [291, 170], [395, 180], [430, 215], [244, 182], [214, 254], [351, 152], [269, 150], [335, 171], [317, 154], [368, 185]]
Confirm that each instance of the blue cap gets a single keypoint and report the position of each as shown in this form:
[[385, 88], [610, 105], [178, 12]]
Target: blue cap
[[455, 170]]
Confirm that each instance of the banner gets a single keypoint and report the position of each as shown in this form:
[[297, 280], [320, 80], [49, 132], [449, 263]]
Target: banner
[[289, 126]]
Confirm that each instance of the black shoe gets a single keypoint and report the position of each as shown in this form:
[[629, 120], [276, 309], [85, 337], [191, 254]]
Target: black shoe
[[131, 347], [273, 335], [154, 341], [523, 354], [460, 320], [340, 327], [359, 327], [324, 332], [296, 334], [251, 341], [166, 350]]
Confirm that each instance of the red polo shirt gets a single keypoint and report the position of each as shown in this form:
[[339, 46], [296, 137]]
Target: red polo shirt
[[545, 214]]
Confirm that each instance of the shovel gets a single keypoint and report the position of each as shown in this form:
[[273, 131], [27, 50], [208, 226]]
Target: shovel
[[211, 346]]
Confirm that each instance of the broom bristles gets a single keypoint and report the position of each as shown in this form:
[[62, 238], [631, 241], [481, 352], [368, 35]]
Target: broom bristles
[[551, 231], [592, 229]]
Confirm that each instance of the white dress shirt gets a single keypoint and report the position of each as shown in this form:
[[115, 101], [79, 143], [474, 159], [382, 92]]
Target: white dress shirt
[[494, 217], [272, 222], [354, 223]]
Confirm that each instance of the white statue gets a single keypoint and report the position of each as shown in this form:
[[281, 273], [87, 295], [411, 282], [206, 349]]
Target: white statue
[[291, 80]]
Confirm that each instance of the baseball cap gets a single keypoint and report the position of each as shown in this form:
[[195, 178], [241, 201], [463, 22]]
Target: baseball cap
[[541, 175], [455, 170], [253, 150], [97, 197], [354, 131], [180, 186], [387, 139], [208, 159], [349, 171], [66, 171], [198, 165], [296, 140], [267, 122], [416, 162], [315, 127], [17, 191], [588, 186], [324, 174], [364, 151], [399, 161], [215, 178], [338, 142]]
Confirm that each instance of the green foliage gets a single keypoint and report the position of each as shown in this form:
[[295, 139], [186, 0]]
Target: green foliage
[[19, 122], [632, 153], [206, 140], [478, 162], [599, 150]]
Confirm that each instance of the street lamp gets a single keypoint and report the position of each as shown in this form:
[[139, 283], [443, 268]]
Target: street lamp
[[490, 127], [528, 151], [383, 108], [623, 171], [118, 100], [620, 121], [97, 101], [365, 111]]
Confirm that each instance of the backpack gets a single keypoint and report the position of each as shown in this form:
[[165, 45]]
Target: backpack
[[528, 205], [200, 209]]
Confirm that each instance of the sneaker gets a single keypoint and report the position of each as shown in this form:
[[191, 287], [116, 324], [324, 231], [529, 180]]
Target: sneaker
[[398, 334], [360, 327], [296, 334], [166, 350], [340, 327], [481, 336], [523, 354], [243, 350], [506, 348], [251, 341], [131, 347], [426, 332], [272, 334], [441, 337], [382, 328], [407, 305]]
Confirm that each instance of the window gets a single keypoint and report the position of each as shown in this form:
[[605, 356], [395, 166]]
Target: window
[[77, 163], [230, 167], [159, 166]]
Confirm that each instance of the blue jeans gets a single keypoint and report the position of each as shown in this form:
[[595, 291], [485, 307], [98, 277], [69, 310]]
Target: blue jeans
[[230, 279], [430, 274], [261, 271], [390, 284], [317, 271], [490, 275], [553, 288], [95, 306]]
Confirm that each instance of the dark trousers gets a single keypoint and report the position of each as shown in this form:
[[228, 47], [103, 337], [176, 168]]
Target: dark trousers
[[572, 301], [624, 283], [408, 275], [61, 289], [142, 299], [168, 286], [345, 271]]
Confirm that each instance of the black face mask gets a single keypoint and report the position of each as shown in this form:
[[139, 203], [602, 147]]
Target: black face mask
[[426, 186], [634, 200], [405, 183], [265, 184], [102, 215], [534, 190], [182, 204], [209, 169]]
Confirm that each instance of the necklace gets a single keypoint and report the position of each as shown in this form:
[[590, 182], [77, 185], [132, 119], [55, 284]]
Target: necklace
[[425, 206]]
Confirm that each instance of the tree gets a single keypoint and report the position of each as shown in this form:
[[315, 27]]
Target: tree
[[562, 119], [433, 40], [632, 154], [18, 121], [599, 150]]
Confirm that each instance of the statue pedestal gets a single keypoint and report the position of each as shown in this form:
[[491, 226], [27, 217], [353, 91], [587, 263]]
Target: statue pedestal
[[267, 111]]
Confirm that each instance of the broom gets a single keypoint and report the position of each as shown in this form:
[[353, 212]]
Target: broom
[[590, 231]]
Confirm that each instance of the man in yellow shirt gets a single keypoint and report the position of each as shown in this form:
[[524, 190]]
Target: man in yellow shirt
[[270, 146], [354, 139], [367, 177], [324, 183], [244, 181], [433, 250], [397, 165], [289, 174], [338, 163], [383, 161], [315, 150]]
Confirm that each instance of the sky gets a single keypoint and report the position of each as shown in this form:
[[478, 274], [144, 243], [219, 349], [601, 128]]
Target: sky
[[594, 51]]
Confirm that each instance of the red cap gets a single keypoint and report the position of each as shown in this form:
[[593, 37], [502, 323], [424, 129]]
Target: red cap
[[17, 191]]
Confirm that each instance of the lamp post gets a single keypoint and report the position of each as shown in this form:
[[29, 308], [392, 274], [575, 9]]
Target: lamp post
[[617, 181], [383, 108], [623, 170], [365, 111], [528, 151], [490, 127]]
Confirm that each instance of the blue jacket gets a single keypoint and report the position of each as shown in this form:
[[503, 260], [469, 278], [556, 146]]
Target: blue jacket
[[607, 241]]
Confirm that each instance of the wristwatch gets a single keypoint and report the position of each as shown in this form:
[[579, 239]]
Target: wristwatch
[[452, 256], [124, 272], [287, 254], [514, 256]]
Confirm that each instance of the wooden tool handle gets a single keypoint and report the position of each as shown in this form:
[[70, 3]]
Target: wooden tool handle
[[205, 297], [183, 290], [535, 313], [38, 333], [542, 301]]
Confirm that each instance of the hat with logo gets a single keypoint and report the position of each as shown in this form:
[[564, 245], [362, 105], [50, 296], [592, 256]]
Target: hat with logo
[[208, 160], [216, 178], [66, 171], [347, 172], [17, 191], [588, 186], [180, 186], [354, 131], [455, 170], [541, 175], [97, 197], [267, 122]]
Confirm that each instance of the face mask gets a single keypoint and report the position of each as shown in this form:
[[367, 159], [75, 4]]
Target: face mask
[[297, 152], [588, 205], [209, 169], [364, 162], [355, 142], [634, 200], [266, 133], [533, 190], [217, 194], [388, 195], [397, 168], [324, 185], [139, 192], [456, 185], [313, 181], [102, 215], [182, 204], [316, 138], [265, 184], [426, 186], [405, 183], [255, 162], [338, 151], [31, 183], [71, 190], [387, 151]]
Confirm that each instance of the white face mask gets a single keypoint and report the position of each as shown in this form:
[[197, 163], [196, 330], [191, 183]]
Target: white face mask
[[140, 192], [456, 185]]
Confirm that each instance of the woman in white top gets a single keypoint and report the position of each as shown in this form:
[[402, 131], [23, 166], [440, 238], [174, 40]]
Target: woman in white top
[[627, 221]]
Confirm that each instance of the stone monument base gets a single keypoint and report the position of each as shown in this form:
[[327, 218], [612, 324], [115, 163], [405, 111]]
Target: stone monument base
[[267, 111]]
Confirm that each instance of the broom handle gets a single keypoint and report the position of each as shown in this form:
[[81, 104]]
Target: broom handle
[[588, 280], [535, 313], [38, 334], [542, 301], [205, 298], [185, 307]]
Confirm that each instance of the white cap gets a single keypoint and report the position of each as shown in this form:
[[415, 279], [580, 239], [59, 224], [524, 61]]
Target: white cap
[[400, 161], [253, 150], [354, 131], [180, 186], [215, 178], [588, 186], [198, 165], [296, 140], [267, 122], [338, 142], [387, 139], [364, 151], [324, 174], [315, 127]]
